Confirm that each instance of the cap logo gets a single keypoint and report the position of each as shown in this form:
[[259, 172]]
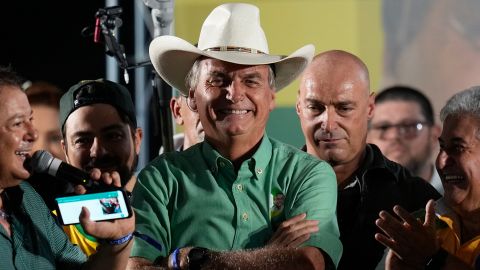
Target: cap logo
[[87, 95]]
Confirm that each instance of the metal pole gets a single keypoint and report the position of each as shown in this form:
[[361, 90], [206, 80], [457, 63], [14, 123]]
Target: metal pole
[[111, 66], [162, 17], [142, 87]]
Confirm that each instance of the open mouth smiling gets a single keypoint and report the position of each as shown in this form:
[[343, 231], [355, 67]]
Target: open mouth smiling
[[453, 179], [22, 153], [234, 111]]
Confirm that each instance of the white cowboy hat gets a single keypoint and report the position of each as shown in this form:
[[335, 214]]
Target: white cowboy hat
[[231, 33]]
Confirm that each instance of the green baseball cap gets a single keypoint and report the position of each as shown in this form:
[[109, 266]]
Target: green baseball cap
[[90, 92]]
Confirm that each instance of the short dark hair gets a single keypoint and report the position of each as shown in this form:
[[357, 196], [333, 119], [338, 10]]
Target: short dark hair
[[406, 93], [8, 77]]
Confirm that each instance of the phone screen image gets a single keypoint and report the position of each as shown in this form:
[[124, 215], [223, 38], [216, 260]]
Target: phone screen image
[[102, 206]]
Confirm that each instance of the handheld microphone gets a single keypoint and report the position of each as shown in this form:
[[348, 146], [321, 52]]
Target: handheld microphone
[[43, 162]]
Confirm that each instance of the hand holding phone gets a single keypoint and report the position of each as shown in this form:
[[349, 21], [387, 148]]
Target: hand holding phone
[[104, 205]]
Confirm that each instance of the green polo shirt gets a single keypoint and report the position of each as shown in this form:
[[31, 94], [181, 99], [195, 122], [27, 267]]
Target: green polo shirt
[[36, 242], [195, 198]]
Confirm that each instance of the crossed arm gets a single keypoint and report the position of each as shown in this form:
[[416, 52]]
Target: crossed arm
[[281, 252]]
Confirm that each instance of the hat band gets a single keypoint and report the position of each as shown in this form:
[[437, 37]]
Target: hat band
[[234, 49]]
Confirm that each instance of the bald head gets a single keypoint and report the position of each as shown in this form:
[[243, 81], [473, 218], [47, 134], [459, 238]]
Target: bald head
[[337, 67], [334, 105]]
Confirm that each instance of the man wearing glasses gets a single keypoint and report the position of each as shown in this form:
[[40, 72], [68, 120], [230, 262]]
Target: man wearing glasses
[[404, 129], [334, 106]]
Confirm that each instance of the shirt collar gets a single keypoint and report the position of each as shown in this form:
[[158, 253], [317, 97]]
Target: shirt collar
[[256, 164], [261, 157], [212, 157]]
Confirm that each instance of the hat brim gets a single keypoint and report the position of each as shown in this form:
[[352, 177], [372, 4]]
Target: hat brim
[[173, 57]]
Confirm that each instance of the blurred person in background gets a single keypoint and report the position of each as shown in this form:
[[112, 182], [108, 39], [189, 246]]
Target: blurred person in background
[[185, 117], [403, 127], [44, 98]]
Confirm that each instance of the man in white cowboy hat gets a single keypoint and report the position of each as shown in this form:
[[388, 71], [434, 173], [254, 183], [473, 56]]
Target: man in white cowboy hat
[[215, 205]]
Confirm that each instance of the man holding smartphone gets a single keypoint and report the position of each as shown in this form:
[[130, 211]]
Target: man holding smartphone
[[29, 237], [99, 130]]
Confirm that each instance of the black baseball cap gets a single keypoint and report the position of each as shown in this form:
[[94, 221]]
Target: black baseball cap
[[91, 92]]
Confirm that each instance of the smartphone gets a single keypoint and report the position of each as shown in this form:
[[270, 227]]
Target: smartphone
[[105, 205]]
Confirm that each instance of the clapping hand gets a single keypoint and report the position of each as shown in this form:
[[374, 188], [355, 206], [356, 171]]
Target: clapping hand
[[412, 241]]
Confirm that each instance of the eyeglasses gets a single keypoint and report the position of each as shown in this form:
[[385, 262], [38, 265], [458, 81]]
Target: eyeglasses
[[404, 130]]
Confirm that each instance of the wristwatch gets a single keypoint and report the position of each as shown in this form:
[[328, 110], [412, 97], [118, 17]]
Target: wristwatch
[[197, 257]]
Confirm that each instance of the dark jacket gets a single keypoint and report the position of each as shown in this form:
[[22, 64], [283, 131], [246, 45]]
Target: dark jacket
[[382, 184]]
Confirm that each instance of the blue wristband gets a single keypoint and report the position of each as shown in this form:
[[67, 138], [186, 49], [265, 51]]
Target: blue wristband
[[148, 239], [122, 240], [174, 259]]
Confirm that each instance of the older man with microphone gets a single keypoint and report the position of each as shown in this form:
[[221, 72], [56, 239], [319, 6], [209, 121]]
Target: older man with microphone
[[29, 236]]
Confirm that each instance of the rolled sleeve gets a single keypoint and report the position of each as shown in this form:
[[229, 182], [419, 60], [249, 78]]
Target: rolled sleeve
[[150, 199], [316, 196]]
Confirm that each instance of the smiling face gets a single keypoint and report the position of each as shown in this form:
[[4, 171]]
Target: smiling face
[[17, 135], [334, 107], [105, 143], [458, 162], [233, 101]]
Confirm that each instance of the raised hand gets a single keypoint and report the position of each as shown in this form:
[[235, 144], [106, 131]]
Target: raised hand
[[106, 229], [410, 239]]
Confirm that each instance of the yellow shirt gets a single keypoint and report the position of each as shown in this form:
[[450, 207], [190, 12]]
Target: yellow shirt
[[87, 243], [451, 239]]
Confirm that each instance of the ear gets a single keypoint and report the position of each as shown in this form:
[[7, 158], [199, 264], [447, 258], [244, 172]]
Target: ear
[[192, 104], [175, 107], [371, 105], [138, 140], [272, 102], [297, 105]]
